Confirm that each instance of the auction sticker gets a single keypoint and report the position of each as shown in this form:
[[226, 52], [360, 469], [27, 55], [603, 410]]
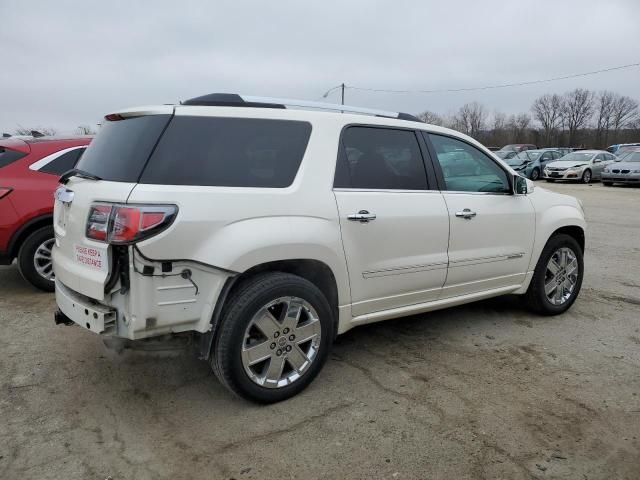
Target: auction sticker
[[94, 258]]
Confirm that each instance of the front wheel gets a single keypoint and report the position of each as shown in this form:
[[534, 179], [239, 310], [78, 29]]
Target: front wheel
[[34, 259], [535, 174], [557, 277], [275, 336], [586, 176]]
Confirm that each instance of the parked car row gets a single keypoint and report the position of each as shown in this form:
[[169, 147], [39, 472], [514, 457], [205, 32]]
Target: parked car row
[[571, 164]]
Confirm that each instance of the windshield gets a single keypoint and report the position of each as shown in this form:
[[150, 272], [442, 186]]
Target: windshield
[[504, 154], [522, 157], [577, 157], [630, 157]]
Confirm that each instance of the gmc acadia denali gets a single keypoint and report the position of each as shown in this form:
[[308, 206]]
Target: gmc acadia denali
[[265, 227]]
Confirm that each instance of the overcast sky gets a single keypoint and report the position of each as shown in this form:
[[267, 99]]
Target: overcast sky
[[68, 63]]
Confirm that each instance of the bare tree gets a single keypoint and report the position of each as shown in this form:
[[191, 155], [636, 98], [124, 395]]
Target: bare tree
[[604, 116], [471, 118], [577, 110], [519, 127], [20, 130], [547, 110], [85, 130], [624, 113], [431, 117]]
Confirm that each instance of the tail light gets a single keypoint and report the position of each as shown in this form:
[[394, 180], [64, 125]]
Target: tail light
[[123, 224]]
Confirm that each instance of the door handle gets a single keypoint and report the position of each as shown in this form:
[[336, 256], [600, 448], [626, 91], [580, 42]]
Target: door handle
[[363, 216], [466, 214]]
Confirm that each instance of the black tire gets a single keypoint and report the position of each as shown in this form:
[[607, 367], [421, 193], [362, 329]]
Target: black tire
[[607, 184], [550, 180], [535, 174], [226, 358], [26, 259], [535, 298], [586, 176]]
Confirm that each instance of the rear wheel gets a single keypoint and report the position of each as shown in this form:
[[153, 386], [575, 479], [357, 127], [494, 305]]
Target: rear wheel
[[557, 277], [586, 176], [275, 336], [34, 259]]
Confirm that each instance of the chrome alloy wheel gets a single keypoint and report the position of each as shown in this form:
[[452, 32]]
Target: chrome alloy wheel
[[281, 342], [561, 276], [42, 259]]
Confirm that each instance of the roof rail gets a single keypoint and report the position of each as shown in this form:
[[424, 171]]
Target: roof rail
[[235, 100]]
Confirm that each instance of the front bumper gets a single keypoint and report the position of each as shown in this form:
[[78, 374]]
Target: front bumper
[[621, 177], [564, 175]]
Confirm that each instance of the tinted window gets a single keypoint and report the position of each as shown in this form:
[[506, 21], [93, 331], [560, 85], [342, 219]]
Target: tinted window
[[121, 148], [228, 152], [64, 162], [8, 156], [380, 158], [467, 169]]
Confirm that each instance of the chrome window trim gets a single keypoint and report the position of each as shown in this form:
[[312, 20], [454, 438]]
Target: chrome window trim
[[382, 190], [43, 162]]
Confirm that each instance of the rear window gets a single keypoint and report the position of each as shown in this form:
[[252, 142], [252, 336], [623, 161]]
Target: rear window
[[8, 156], [228, 152], [121, 148]]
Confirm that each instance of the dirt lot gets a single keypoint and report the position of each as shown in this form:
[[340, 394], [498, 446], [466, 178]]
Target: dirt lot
[[481, 391]]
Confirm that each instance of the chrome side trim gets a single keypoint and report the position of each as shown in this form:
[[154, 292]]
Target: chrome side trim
[[402, 270], [479, 260], [383, 190], [429, 306], [51, 157]]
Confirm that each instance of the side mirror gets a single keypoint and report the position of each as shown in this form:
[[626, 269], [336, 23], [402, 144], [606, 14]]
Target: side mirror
[[521, 185]]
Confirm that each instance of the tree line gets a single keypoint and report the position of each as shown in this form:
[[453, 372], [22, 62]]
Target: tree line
[[579, 118]]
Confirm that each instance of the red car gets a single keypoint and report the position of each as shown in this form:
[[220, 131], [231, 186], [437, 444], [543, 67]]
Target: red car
[[29, 172]]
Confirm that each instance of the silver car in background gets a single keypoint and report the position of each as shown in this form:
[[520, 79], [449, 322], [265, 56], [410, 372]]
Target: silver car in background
[[625, 170], [583, 166], [530, 163]]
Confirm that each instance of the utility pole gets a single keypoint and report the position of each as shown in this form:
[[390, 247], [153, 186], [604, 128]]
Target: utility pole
[[342, 86]]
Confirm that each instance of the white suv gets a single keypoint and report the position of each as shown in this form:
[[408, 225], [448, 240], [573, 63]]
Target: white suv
[[265, 231]]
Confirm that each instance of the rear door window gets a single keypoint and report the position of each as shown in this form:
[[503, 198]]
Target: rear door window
[[63, 163], [228, 152], [380, 158]]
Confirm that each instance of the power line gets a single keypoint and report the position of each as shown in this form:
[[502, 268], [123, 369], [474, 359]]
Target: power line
[[489, 87]]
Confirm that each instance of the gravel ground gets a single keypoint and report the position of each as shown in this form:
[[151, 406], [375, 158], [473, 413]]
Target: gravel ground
[[481, 391]]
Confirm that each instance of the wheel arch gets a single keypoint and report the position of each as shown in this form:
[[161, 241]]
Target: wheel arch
[[25, 230], [315, 271], [574, 231]]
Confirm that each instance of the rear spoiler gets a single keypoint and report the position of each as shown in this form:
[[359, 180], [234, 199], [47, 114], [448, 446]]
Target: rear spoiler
[[140, 112], [16, 144]]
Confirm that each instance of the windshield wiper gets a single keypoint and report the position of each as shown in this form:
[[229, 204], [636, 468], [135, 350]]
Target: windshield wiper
[[76, 172]]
